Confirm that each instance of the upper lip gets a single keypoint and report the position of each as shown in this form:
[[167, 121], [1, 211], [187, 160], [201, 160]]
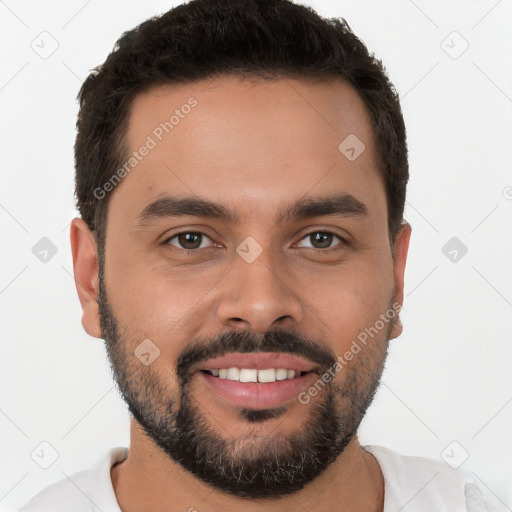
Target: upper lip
[[260, 361]]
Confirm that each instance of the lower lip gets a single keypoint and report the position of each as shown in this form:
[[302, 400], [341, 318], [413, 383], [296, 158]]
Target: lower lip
[[257, 395]]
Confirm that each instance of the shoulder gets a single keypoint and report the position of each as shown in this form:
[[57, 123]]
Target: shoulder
[[66, 493], [421, 484], [81, 491]]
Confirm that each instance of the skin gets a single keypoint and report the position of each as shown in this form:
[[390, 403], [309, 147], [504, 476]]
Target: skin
[[252, 147]]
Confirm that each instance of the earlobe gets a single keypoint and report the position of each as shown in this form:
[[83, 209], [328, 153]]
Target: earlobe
[[85, 267], [401, 248]]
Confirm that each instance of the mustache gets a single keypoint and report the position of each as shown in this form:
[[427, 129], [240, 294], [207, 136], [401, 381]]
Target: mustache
[[277, 340]]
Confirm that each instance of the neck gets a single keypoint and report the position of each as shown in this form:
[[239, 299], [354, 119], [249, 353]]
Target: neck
[[150, 480]]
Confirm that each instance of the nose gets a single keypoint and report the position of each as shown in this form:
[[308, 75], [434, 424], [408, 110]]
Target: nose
[[258, 296]]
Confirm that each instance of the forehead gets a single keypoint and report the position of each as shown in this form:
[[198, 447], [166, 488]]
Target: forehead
[[253, 144]]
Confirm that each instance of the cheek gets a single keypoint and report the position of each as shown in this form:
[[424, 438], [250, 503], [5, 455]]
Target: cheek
[[352, 299], [163, 303]]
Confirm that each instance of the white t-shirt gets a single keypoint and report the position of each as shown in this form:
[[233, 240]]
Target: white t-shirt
[[411, 484]]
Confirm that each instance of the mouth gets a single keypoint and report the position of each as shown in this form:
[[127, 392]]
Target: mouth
[[257, 380], [254, 375]]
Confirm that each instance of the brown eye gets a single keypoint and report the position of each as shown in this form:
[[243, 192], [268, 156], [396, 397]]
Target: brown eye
[[320, 240], [189, 240]]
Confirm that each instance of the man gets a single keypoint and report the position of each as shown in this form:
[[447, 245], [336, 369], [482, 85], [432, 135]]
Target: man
[[241, 169]]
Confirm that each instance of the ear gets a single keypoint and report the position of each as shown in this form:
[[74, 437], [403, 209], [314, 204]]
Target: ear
[[401, 248], [85, 267]]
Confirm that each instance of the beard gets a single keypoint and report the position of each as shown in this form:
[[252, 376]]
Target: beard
[[250, 466]]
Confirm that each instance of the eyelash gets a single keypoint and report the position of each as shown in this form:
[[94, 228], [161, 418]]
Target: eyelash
[[343, 241]]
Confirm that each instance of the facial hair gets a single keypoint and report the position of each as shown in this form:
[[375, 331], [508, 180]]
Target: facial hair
[[251, 466]]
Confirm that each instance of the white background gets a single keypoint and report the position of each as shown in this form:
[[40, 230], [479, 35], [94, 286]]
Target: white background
[[448, 377]]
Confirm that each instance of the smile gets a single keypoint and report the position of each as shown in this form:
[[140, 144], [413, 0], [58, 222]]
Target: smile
[[257, 380], [253, 375]]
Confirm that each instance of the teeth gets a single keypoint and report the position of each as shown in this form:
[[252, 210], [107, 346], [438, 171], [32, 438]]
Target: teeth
[[281, 374], [233, 374], [252, 375], [247, 375], [267, 375]]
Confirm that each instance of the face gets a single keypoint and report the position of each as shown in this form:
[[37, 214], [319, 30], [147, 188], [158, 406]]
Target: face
[[245, 255]]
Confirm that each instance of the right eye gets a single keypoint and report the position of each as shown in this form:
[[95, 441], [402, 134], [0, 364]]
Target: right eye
[[189, 240]]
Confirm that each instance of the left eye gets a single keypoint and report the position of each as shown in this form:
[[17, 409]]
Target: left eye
[[320, 240]]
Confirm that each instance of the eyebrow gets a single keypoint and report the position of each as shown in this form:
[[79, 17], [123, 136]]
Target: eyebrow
[[340, 205]]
